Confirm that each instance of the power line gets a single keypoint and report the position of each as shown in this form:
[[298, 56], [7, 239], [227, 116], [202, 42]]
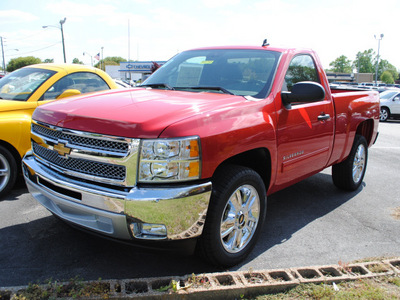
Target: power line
[[23, 38], [19, 54]]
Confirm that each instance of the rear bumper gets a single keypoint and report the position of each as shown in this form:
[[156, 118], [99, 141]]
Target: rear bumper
[[149, 213]]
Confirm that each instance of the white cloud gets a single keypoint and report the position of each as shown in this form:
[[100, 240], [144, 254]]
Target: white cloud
[[219, 3], [79, 9], [15, 16]]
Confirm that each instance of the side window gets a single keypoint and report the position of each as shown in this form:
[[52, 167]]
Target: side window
[[83, 81], [301, 68]]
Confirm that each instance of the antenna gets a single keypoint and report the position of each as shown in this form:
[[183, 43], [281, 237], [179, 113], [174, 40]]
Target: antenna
[[265, 43]]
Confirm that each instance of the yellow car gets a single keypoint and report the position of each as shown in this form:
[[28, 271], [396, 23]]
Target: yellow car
[[22, 91]]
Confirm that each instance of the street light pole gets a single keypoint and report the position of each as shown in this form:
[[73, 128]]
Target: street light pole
[[102, 66], [62, 22], [377, 60], [62, 37], [91, 58], [2, 51]]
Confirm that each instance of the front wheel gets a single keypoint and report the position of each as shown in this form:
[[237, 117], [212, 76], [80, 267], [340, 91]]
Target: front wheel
[[235, 216], [349, 174], [8, 171]]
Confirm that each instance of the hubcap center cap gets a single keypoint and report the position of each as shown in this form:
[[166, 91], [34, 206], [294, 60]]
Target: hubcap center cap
[[241, 219]]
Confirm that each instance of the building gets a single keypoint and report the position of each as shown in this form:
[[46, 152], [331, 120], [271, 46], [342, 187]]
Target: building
[[350, 77], [133, 70]]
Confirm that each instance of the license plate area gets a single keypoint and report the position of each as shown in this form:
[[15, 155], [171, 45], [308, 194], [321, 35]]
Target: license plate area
[[59, 190]]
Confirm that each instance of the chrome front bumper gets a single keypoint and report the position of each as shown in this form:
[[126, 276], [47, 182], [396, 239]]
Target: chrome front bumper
[[150, 213]]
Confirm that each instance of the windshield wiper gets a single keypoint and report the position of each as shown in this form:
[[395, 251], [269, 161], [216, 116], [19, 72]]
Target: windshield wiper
[[157, 85], [210, 88]]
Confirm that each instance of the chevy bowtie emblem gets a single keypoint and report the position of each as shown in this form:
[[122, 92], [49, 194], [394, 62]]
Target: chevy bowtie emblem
[[61, 149]]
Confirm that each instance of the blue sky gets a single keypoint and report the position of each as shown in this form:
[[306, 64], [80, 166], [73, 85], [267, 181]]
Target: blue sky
[[160, 29]]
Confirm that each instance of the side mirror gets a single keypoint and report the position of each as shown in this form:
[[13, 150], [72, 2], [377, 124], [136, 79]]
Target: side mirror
[[69, 93], [397, 98], [305, 91]]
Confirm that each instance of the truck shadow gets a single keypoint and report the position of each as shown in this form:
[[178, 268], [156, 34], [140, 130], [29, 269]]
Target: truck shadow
[[47, 248], [295, 207]]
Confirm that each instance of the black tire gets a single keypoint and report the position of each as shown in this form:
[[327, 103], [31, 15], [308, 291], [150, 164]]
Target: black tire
[[8, 171], [241, 222], [349, 174], [384, 115]]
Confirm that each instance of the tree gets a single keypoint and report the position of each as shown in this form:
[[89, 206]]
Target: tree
[[364, 61], [341, 65], [384, 66], [77, 61], [20, 62], [49, 60], [109, 61], [387, 77]]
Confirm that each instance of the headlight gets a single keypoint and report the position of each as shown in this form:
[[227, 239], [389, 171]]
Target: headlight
[[169, 160]]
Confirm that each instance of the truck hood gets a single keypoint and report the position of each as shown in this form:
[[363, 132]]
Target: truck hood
[[135, 113]]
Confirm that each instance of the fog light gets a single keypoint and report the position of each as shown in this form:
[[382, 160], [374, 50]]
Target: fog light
[[148, 231]]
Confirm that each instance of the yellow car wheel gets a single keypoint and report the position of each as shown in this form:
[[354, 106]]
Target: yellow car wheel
[[8, 171]]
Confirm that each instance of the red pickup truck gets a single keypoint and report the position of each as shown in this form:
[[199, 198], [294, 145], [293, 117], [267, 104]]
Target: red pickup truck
[[194, 152]]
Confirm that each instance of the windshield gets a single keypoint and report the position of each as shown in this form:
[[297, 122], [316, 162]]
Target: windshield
[[242, 72], [388, 94], [21, 84]]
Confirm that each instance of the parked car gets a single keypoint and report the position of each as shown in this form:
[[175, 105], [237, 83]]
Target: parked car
[[121, 84], [390, 104], [22, 91]]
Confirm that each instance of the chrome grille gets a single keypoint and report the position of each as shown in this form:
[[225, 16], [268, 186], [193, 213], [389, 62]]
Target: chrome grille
[[79, 140], [98, 169], [84, 155]]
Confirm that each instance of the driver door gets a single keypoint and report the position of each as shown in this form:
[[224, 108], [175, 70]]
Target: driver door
[[305, 131]]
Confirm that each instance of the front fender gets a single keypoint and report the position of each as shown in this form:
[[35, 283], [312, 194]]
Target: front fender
[[15, 128]]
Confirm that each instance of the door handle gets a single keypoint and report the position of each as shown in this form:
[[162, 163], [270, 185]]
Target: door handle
[[323, 117]]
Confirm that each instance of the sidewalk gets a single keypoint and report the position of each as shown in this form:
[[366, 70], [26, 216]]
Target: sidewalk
[[228, 285]]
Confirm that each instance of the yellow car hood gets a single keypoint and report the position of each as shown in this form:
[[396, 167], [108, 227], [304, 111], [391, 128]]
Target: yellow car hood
[[10, 105]]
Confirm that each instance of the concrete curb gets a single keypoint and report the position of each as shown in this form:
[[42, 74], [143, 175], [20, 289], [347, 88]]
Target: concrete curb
[[231, 285]]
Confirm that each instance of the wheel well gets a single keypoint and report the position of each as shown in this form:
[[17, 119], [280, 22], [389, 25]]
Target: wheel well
[[366, 129], [257, 159], [388, 109], [13, 151]]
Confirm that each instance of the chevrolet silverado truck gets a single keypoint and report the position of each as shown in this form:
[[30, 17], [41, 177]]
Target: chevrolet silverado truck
[[193, 153]]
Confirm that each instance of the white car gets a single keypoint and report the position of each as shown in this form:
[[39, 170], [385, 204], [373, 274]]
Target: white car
[[390, 104], [121, 84]]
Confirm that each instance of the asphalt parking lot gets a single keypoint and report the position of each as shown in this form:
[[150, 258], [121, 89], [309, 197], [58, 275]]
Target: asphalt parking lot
[[310, 223]]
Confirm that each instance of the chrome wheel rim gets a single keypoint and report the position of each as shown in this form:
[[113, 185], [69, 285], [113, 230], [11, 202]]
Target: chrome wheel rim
[[4, 172], [240, 219], [384, 114], [359, 163]]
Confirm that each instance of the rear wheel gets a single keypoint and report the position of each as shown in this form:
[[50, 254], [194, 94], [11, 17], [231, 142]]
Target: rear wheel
[[385, 114], [349, 174], [8, 171], [235, 216]]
